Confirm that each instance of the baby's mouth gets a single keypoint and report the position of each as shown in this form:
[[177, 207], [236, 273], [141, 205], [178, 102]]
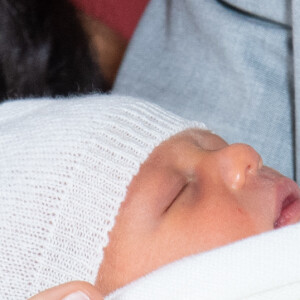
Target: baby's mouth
[[288, 203]]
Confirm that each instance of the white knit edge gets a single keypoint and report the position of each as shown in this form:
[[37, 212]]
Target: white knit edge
[[159, 125]]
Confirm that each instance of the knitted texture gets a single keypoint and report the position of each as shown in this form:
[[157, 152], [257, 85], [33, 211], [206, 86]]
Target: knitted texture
[[65, 166]]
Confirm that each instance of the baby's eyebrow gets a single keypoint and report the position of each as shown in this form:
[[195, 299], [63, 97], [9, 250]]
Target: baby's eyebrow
[[199, 136]]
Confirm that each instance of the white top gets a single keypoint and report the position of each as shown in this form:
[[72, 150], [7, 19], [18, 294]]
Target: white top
[[65, 166], [262, 267]]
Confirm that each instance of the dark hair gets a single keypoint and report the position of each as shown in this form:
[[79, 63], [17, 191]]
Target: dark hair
[[44, 51]]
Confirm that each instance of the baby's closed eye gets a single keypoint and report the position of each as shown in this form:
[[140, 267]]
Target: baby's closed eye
[[167, 189], [180, 192]]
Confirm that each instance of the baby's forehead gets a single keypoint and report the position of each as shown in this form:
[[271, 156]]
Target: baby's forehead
[[203, 138]]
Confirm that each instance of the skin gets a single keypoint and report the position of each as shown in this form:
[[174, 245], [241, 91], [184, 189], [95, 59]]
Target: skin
[[69, 291], [194, 193], [107, 45]]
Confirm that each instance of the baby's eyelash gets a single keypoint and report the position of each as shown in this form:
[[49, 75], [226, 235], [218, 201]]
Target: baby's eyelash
[[178, 195]]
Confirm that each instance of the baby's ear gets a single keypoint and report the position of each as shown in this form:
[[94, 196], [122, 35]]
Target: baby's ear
[[75, 290]]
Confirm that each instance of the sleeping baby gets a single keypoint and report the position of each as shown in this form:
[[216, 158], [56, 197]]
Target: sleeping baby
[[106, 189]]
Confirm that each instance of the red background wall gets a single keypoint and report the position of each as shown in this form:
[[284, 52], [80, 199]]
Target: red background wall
[[120, 15]]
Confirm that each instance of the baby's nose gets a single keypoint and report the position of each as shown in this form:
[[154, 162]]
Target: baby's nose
[[237, 161]]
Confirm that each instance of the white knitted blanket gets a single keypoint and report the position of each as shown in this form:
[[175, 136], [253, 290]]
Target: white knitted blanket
[[264, 267]]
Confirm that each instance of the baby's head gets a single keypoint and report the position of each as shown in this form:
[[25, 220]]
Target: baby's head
[[122, 175], [194, 193]]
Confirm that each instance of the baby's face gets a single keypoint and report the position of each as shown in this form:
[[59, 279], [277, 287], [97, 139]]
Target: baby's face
[[194, 193]]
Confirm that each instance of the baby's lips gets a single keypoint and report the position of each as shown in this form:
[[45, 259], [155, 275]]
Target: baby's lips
[[289, 215], [288, 203]]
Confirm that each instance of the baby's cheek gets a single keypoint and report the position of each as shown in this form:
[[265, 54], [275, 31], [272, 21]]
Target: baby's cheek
[[204, 226]]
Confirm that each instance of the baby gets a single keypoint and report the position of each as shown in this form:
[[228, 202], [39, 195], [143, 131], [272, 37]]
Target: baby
[[107, 189], [194, 193]]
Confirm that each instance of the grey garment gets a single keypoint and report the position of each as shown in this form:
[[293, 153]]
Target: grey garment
[[226, 63]]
